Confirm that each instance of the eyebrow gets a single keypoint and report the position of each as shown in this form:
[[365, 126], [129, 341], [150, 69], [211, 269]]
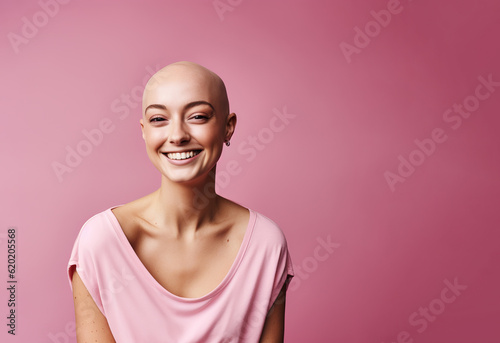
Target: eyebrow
[[187, 107]]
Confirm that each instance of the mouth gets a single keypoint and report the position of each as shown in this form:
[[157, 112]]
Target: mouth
[[179, 156]]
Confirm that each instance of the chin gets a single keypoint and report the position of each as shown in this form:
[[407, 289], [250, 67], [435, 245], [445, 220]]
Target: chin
[[184, 177]]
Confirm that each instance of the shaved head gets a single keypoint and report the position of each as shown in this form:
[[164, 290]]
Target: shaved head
[[188, 76]]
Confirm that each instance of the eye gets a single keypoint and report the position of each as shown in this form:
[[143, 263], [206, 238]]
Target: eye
[[156, 119], [199, 117]]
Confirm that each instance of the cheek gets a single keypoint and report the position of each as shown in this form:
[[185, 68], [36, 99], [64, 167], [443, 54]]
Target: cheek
[[212, 136], [153, 138]]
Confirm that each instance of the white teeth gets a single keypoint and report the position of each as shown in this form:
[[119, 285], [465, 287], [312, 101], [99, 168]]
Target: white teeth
[[181, 155]]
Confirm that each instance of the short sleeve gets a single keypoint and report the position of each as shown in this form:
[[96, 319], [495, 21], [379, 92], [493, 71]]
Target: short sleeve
[[284, 272], [84, 257], [270, 248]]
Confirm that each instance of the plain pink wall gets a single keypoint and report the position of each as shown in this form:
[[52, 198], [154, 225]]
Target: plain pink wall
[[356, 104]]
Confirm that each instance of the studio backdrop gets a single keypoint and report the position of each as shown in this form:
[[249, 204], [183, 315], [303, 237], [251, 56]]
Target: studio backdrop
[[367, 130]]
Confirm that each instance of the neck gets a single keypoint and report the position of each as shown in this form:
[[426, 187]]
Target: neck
[[185, 207]]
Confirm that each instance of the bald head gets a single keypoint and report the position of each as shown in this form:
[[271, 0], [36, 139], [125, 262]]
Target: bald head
[[190, 80]]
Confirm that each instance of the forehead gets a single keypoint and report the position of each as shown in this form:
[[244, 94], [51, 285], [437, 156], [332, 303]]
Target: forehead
[[178, 86]]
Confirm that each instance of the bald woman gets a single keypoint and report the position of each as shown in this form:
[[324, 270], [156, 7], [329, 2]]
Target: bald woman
[[168, 267]]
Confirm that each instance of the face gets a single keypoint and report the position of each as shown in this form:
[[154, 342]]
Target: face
[[185, 122]]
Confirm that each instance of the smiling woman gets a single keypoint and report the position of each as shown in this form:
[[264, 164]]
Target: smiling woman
[[164, 268]]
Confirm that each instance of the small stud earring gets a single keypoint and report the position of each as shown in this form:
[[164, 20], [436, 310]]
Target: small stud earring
[[228, 143]]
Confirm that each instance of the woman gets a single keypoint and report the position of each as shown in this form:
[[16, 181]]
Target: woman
[[169, 267]]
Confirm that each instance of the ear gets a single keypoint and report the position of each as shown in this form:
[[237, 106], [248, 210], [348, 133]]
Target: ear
[[142, 128], [230, 126]]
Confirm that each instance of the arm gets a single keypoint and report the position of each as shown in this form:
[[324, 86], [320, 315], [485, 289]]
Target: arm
[[91, 325], [274, 327]]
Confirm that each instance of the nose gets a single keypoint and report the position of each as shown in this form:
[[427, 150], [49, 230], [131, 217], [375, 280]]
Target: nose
[[178, 132]]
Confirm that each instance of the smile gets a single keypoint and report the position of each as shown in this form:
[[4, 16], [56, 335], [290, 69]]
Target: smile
[[182, 155]]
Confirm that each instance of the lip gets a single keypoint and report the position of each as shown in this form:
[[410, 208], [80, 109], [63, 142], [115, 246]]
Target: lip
[[181, 162]]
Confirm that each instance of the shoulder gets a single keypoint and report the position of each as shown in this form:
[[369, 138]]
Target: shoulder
[[96, 231], [268, 249], [94, 239], [264, 230], [133, 211], [130, 218], [268, 230]]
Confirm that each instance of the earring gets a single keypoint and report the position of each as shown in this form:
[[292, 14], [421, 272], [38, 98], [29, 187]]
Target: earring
[[228, 143]]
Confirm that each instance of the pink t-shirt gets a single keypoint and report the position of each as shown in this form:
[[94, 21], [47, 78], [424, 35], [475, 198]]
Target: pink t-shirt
[[138, 309]]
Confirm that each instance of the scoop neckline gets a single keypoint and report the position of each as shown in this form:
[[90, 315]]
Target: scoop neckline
[[153, 282]]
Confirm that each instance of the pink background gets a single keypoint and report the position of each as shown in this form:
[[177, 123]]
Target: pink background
[[321, 176]]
